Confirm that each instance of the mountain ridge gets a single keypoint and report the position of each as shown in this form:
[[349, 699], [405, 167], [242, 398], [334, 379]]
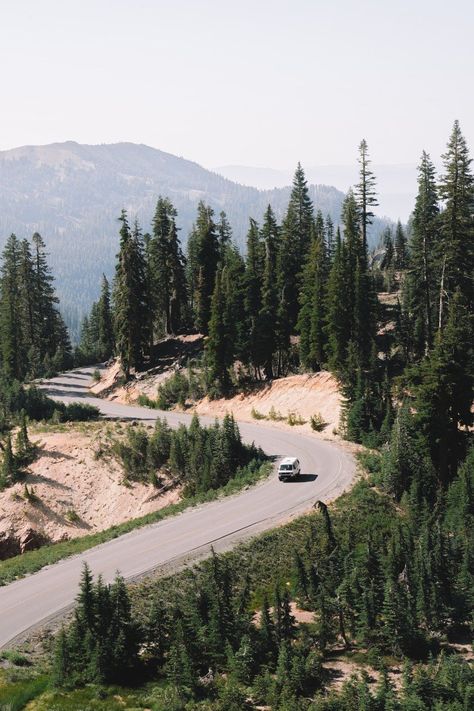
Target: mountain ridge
[[73, 193]]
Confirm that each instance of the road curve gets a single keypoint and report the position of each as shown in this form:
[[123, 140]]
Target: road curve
[[327, 471]]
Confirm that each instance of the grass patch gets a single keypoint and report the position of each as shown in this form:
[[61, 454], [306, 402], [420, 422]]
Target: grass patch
[[15, 658], [15, 695], [31, 561], [94, 698]]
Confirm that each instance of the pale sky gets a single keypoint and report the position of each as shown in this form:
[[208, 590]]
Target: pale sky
[[261, 83]]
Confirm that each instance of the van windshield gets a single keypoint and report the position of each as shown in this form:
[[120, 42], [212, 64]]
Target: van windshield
[[286, 467]]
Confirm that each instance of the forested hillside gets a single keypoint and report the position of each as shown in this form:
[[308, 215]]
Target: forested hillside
[[385, 575], [72, 194]]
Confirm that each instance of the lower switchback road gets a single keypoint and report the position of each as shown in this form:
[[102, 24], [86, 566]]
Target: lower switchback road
[[327, 471]]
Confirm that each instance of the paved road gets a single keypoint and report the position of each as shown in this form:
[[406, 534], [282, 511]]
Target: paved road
[[327, 470]]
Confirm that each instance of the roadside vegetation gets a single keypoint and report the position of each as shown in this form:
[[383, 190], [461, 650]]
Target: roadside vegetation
[[386, 573], [385, 583], [206, 463], [198, 458]]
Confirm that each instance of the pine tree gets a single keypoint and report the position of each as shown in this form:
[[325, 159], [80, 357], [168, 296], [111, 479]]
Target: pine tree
[[400, 246], [204, 261], [312, 314], [61, 662], [424, 252], [224, 230], [457, 225], [105, 322], [338, 308], [45, 300], [254, 266], [9, 470], [130, 298], [267, 329], [444, 393], [12, 350], [267, 632], [166, 266], [365, 192], [217, 346], [295, 240], [27, 306]]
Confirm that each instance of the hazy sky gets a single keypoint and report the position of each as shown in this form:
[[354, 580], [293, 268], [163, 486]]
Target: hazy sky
[[262, 82]]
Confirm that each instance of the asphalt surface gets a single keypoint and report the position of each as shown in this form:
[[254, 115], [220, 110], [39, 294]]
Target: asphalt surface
[[327, 470]]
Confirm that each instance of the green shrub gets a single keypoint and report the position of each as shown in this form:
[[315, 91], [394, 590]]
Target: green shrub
[[96, 376], [173, 391], [79, 412], [317, 422], [294, 418], [257, 415], [201, 458], [13, 656], [275, 415], [72, 516], [145, 401]]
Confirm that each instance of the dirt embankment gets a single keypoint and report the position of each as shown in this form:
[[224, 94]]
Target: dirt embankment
[[301, 395], [70, 492]]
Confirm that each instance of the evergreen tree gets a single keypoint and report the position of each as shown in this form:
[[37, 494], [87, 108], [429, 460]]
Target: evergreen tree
[[130, 298], [224, 230], [105, 322], [12, 351], [400, 246], [312, 314], [204, 259], [295, 240], [166, 266], [338, 308], [457, 225], [445, 390], [254, 266], [217, 346], [267, 329], [365, 192], [424, 253]]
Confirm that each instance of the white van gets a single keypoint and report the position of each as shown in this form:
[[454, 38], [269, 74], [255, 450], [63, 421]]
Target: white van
[[289, 468]]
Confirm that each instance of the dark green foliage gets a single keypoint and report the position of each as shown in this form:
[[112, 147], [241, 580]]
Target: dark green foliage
[[295, 239], [267, 330], [423, 275], [131, 298], [10, 471], [219, 357], [166, 273], [365, 192], [199, 458], [457, 224], [34, 339], [444, 389], [312, 315], [97, 334], [101, 645], [177, 389], [203, 258], [401, 258]]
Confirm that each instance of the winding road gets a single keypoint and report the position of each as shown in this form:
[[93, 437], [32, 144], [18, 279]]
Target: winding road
[[327, 471]]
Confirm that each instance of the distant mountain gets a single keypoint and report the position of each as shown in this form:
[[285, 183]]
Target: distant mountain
[[73, 194], [396, 184]]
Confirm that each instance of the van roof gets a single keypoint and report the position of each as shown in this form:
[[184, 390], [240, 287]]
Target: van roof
[[288, 460]]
